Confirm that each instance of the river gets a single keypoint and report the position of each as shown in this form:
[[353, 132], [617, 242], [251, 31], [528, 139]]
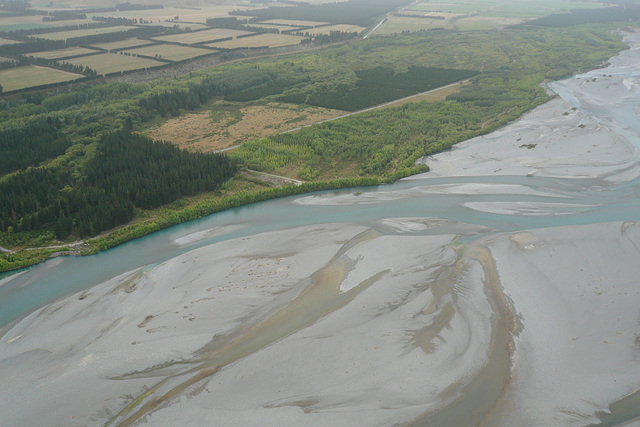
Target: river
[[482, 190]]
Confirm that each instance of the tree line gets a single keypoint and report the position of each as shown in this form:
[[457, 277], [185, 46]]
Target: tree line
[[130, 171]]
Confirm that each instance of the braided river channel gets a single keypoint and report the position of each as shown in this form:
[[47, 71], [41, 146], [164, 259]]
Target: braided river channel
[[500, 288]]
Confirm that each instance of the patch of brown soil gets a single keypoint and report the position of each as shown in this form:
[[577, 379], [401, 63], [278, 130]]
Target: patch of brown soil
[[226, 124]]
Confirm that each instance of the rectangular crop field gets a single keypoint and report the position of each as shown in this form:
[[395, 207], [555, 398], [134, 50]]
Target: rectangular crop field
[[275, 27], [7, 41], [340, 27], [21, 77], [398, 24], [171, 52], [160, 16], [293, 23], [202, 36], [64, 35], [270, 40], [504, 8], [485, 22], [63, 53], [193, 26], [122, 44], [106, 63]]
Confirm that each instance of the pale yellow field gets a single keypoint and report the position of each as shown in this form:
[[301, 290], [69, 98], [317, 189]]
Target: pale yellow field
[[329, 28], [7, 41], [106, 63], [122, 44], [171, 52], [192, 25], [270, 40], [276, 27], [202, 36], [63, 53], [32, 75], [63, 35], [293, 23]]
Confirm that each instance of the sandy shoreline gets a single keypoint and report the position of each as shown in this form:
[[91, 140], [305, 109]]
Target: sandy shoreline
[[399, 321]]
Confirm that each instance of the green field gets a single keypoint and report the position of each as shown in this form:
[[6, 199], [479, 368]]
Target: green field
[[63, 53], [64, 35], [504, 8], [398, 24], [171, 52], [202, 36], [270, 40], [106, 63], [21, 77], [484, 22], [122, 44]]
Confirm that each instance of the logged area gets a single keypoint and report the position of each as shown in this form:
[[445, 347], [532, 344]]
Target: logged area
[[223, 125]]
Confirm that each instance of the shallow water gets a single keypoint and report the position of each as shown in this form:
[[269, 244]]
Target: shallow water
[[592, 202], [497, 203]]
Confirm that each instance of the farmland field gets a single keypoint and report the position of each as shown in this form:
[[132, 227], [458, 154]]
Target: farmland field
[[106, 63], [193, 26], [64, 35], [171, 52], [271, 40], [398, 24], [274, 26], [505, 8], [21, 77], [63, 53], [485, 22], [7, 41], [159, 16], [122, 44], [339, 27], [202, 36], [293, 23]]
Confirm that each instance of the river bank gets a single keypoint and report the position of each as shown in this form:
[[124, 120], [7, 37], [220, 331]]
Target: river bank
[[498, 289]]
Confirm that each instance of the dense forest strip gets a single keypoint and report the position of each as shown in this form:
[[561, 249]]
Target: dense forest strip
[[130, 171]]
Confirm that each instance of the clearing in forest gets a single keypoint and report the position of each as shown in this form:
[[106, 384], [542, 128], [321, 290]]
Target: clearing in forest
[[226, 124]]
